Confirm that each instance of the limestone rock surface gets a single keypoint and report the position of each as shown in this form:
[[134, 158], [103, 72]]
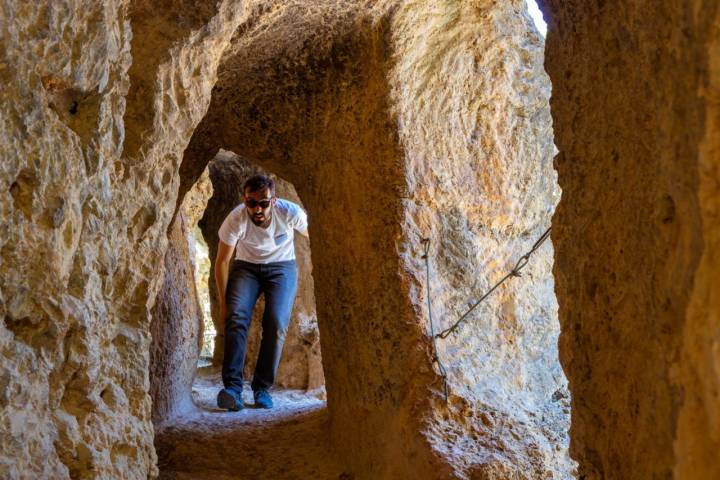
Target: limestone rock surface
[[83, 223], [288, 441], [698, 426], [396, 121], [635, 88], [177, 318], [478, 150]]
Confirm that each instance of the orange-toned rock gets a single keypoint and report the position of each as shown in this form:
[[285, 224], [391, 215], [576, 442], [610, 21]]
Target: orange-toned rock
[[635, 90], [395, 123], [84, 222]]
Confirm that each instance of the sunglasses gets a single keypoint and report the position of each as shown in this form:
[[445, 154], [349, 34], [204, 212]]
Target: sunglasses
[[252, 203]]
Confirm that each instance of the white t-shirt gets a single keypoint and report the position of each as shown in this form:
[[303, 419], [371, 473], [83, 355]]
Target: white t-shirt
[[264, 245]]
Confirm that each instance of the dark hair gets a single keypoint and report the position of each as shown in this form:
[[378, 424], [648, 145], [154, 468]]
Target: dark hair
[[258, 182]]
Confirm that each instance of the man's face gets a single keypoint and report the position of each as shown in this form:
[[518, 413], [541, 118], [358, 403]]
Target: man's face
[[259, 205]]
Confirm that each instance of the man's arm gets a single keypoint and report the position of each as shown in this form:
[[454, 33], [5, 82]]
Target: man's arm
[[301, 223], [222, 266]]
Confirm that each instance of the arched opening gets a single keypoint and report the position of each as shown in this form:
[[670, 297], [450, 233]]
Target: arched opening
[[342, 123], [298, 392], [301, 366], [214, 195]]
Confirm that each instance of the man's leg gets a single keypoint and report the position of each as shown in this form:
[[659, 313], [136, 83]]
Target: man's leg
[[279, 285], [241, 295]]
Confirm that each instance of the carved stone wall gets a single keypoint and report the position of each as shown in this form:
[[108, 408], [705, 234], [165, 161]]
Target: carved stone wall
[[635, 105], [395, 121], [83, 220], [177, 319]]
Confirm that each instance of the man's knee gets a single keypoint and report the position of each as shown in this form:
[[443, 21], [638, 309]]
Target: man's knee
[[282, 332], [237, 320], [279, 326]]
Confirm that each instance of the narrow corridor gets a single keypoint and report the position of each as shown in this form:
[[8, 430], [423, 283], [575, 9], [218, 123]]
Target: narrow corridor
[[287, 442]]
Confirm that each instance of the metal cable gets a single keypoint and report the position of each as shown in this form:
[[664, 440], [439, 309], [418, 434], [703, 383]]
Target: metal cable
[[436, 358], [515, 272]]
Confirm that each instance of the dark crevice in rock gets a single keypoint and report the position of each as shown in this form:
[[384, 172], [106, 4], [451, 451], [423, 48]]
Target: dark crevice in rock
[[23, 190], [77, 108]]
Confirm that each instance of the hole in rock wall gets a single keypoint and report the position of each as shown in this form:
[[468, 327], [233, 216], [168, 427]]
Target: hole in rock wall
[[537, 16], [188, 336], [300, 367]]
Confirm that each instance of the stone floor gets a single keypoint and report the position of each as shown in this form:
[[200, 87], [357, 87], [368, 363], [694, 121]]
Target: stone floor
[[286, 442]]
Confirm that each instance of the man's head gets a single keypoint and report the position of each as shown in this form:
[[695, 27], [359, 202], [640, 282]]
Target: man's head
[[259, 199]]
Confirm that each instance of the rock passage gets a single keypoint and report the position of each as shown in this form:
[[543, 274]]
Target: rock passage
[[287, 442], [396, 120]]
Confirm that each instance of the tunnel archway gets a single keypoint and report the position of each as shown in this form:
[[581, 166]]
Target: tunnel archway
[[326, 118], [301, 366], [179, 320]]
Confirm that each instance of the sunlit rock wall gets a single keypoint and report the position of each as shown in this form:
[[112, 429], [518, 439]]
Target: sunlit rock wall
[[472, 101], [83, 223], [395, 122], [635, 105], [301, 363]]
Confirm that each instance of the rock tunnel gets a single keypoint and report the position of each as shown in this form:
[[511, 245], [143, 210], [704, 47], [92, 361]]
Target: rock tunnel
[[402, 126]]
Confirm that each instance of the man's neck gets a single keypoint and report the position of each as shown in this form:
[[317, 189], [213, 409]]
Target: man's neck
[[264, 224]]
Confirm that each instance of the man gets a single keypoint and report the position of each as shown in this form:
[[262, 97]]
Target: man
[[262, 227]]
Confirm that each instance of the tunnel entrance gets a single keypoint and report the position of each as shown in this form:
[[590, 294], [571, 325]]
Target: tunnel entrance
[[298, 392], [389, 147], [301, 364], [301, 367]]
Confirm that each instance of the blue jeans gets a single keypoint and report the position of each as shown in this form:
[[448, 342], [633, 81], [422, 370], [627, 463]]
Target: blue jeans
[[278, 281]]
